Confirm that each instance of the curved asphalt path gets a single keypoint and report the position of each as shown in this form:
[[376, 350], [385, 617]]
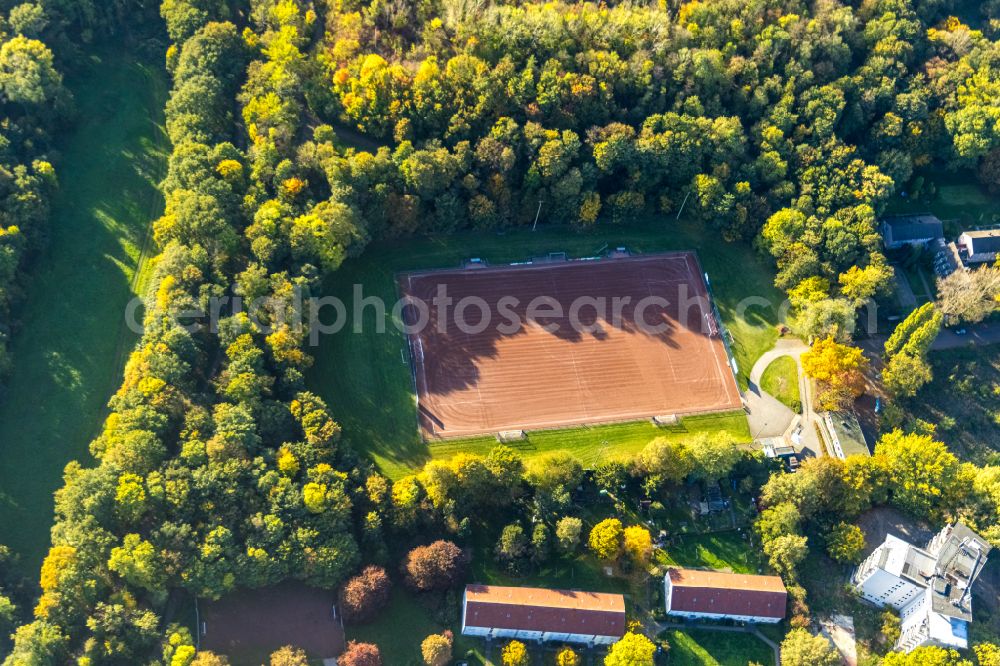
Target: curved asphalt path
[[770, 418]]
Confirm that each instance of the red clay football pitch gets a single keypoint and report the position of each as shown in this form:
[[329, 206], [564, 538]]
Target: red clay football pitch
[[571, 342]]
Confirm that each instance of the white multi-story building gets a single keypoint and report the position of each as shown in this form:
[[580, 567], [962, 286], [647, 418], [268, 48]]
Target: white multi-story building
[[931, 587]]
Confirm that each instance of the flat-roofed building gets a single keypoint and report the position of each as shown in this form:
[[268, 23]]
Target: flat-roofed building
[[931, 587], [718, 595], [894, 574], [536, 614], [844, 436]]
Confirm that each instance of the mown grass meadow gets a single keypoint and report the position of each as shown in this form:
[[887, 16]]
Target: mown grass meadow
[[366, 379]]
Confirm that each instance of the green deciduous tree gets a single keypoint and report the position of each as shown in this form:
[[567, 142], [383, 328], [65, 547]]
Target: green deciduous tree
[[904, 375], [665, 458], [975, 124], [785, 553], [28, 76], [137, 561], [513, 543], [921, 471], [778, 520], [907, 368], [712, 456], [826, 318], [846, 543], [890, 629], [568, 531]]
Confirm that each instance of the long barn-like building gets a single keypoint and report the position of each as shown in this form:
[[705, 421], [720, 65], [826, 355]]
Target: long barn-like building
[[536, 614], [717, 595]]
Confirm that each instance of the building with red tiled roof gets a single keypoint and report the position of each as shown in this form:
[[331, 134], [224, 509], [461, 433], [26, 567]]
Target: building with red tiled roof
[[716, 595], [535, 614]]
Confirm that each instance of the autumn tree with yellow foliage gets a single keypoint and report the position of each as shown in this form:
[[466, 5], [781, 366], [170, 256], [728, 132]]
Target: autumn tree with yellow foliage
[[838, 370]]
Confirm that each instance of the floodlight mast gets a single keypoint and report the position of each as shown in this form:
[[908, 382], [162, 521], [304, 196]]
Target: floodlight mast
[[537, 213]]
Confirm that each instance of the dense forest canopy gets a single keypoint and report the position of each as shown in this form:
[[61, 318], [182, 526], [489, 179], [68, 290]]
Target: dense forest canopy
[[776, 121], [33, 102], [781, 123]]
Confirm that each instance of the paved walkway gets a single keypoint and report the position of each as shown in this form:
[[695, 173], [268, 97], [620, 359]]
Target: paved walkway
[[767, 416], [904, 293], [928, 294], [839, 630], [684, 626], [770, 418]]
